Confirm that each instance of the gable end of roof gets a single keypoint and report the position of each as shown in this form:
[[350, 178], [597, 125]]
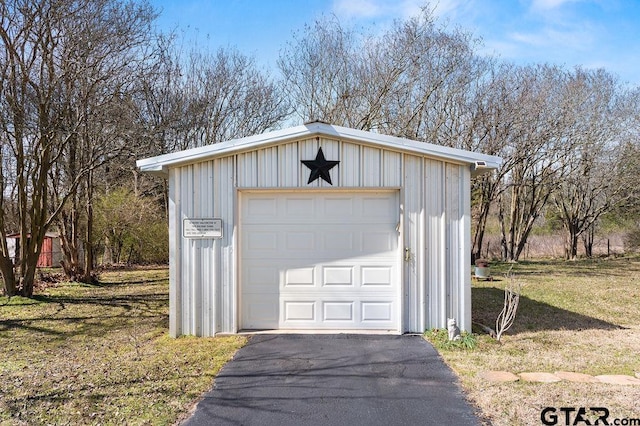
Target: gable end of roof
[[479, 163]]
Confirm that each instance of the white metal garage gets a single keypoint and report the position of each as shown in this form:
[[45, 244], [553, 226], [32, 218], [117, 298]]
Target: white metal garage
[[319, 260], [319, 227]]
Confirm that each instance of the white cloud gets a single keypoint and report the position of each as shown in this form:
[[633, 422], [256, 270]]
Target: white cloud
[[390, 9], [356, 8], [575, 39], [445, 7], [409, 8], [545, 5]]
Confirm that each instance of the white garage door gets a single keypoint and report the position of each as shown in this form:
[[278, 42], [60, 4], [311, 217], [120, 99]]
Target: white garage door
[[319, 260]]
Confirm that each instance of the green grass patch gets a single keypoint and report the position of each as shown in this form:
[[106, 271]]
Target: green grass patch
[[100, 354], [439, 337]]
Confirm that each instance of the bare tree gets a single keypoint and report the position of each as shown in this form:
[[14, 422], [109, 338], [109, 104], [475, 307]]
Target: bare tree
[[426, 82], [507, 315], [320, 70], [534, 156], [628, 212], [434, 92], [188, 98], [194, 98], [596, 131], [229, 97], [130, 228], [58, 60], [416, 80], [494, 125], [104, 46], [161, 101], [30, 127]]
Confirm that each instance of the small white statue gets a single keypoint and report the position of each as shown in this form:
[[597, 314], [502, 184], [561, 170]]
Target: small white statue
[[454, 330]]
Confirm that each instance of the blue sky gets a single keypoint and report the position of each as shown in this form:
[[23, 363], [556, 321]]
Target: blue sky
[[590, 33]]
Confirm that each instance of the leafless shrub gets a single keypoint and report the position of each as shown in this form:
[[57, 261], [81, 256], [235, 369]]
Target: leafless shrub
[[507, 315]]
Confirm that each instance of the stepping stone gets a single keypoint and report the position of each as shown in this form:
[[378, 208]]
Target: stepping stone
[[499, 376], [576, 377], [540, 377], [618, 379]]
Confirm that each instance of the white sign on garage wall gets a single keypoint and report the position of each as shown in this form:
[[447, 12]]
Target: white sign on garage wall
[[202, 228]]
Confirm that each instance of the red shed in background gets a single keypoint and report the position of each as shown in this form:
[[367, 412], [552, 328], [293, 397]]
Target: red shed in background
[[51, 253]]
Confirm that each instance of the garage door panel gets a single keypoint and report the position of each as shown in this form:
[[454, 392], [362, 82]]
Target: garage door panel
[[323, 261], [339, 241], [337, 208], [296, 277], [261, 277], [337, 276], [261, 208], [300, 240], [338, 311], [262, 240], [340, 275], [377, 311], [377, 207], [295, 311], [348, 313], [260, 310], [326, 241], [382, 242], [299, 207], [377, 276], [332, 209]]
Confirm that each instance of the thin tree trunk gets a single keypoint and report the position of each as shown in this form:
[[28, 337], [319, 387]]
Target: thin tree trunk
[[88, 244], [587, 240], [28, 277], [503, 234], [571, 244], [8, 276], [478, 237]]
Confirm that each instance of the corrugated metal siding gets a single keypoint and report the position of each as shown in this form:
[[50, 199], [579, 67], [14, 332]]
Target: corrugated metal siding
[[464, 249], [289, 161], [447, 244], [435, 206], [350, 167], [392, 169], [225, 196], [175, 249], [434, 241], [280, 166], [414, 254], [197, 287]]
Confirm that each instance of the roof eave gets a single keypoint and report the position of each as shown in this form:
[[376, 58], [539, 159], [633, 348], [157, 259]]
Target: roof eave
[[159, 165], [483, 168], [154, 169]]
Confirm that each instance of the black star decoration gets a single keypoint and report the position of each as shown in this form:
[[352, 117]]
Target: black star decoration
[[320, 167]]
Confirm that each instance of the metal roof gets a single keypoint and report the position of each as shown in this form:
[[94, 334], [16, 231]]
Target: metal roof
[[479, 163]]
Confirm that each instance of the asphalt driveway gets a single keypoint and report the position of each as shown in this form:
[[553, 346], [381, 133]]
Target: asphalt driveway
[[335, 380]]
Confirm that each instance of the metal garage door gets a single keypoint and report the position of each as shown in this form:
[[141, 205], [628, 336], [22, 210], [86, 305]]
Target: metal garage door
[[319, 260]]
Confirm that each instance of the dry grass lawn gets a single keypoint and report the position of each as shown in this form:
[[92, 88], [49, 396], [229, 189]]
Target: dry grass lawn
[[573, 316], [101, 355], [79, 354]]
